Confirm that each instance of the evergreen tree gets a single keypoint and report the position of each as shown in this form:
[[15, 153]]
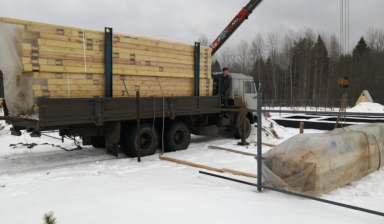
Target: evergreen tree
[[216, 66], [320, 67], [49, 218], [361, 48]]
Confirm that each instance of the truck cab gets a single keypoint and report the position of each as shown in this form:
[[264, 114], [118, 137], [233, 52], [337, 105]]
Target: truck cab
[[243, 92]]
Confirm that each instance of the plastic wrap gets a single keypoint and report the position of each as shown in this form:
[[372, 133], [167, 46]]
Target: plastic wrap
[[11, 66], [315, 164]]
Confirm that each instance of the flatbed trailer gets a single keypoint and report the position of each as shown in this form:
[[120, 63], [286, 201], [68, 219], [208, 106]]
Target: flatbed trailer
[[111, 123]]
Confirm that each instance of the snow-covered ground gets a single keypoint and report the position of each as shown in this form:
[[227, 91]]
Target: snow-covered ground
[[88, 186]]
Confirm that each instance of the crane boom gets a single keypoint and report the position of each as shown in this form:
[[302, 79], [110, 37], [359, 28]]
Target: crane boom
[[234, 24]]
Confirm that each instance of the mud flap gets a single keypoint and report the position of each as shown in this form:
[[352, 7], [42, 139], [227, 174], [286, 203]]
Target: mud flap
[[112, 137], [113, 149]]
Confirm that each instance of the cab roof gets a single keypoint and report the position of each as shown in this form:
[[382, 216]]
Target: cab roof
[[236, 75]]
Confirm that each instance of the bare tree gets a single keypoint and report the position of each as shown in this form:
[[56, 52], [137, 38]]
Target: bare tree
[[243, 54], [375, 38], [272, 46], [257, 52], [204, 41], [289, 40], [227, 57]]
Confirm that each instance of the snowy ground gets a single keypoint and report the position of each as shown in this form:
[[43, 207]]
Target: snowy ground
[[87, 186]]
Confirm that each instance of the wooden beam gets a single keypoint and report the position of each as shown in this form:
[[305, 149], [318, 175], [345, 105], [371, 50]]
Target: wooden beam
[[239, 173], [231, 150]]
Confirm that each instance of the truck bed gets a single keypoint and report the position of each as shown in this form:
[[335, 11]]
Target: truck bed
[[54, 113]]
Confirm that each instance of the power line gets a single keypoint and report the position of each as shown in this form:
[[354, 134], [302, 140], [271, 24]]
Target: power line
[[344, 26]]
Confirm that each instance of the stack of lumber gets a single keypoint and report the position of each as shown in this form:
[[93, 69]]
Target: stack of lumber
[[69, 62], [315, 164]]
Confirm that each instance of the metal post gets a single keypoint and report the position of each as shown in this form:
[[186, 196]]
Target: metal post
[[259, 140], [280, 105], [197, 68], [138, 123], [108, 62]]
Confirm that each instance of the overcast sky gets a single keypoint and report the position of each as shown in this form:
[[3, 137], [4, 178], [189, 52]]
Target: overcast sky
[[186, 20]]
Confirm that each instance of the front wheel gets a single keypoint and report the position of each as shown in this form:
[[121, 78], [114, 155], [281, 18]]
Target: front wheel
[[149, 140], [177, 136]]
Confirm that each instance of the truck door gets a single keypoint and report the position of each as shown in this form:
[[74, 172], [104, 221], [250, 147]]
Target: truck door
[[250, 95]]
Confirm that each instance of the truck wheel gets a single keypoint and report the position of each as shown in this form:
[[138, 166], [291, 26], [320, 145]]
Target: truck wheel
[[149, 140], [177, 136], [237, 134], [98, 142]]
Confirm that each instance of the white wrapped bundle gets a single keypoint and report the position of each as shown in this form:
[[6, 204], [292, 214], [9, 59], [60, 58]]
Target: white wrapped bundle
[[316, 164]]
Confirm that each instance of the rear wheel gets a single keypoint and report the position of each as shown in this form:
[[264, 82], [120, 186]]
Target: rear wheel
[[149, 140], [239, 129], [177, 136]]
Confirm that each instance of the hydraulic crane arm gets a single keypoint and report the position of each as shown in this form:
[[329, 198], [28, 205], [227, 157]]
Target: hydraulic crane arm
[[234, 24]]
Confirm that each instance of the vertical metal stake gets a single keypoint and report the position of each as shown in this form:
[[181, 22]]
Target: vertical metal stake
[[138, 125], [259, 140]]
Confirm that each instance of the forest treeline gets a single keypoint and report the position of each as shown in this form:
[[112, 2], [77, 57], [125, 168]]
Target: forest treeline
[[305, 65]]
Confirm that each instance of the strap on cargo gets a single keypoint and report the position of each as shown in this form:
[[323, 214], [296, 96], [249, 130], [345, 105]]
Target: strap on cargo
[[69, 91], [162, 133], [85, 58]]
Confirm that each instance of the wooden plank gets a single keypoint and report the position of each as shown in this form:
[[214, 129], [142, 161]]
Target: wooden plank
[[72, 63], [154, 43], [100, 54], [65, 50], [152, 49], [71, 39], [51, 75], [207, 167], [231, 150], [69, 69]]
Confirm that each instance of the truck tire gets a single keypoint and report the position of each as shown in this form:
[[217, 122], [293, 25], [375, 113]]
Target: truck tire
[[98, 142], [149, 140], [237, 134], [177, 136]]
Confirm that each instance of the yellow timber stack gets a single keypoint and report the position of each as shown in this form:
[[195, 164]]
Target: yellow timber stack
[[67, 62]]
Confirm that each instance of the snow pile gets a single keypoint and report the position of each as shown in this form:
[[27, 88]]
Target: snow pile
[[367, 107], [272, 132], [4, 127]]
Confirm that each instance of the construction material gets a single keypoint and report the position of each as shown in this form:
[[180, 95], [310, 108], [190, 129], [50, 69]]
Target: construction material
[[316, 164], [207, 167], [231, 150], [301, 127], [44, 60], [266, 144]]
